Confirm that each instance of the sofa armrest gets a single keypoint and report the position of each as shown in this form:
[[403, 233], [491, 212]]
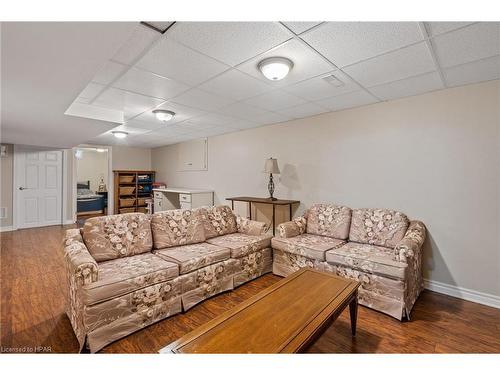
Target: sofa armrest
[[251, 227], [81, 266], [411, 243], [292, 228]]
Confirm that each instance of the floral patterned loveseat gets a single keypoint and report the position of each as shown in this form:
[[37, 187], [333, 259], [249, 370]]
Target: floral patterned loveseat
[[128, 271], [378, 247]]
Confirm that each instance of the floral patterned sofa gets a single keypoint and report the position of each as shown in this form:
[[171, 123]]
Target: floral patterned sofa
[[128, 271], [378, 247]]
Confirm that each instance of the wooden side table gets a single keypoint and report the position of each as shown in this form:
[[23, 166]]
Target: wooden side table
[[278, 202]]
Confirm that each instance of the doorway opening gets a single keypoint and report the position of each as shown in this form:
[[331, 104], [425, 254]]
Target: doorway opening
[[92, 167]]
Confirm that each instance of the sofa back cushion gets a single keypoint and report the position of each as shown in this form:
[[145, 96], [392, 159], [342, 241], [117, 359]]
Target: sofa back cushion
[[176, 227], [218, 221], [378, 227], [329, 220], [117, 236]]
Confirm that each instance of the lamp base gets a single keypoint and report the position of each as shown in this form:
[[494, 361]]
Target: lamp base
[[272, 199]]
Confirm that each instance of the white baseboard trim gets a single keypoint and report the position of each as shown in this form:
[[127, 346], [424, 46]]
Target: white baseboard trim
[[10, 228], [67, 222], [463, 293]]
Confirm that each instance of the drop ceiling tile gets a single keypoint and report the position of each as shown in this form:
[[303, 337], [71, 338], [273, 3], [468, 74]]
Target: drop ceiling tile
[[106, 139], [192, 127], [353, 99], [91, 91], [212, 132], [275, 100], [196, 98], [130, 103], [436, 28], [182, 113], [317, 88], [154, 139], [229, 42], [150, 139], [268, 118], [144, 125], [150, 84], [402, 63], [300, 27], [471, 43], [477, 71], [306, 63], [303, 110], [171, 130], [242, 111], [408, 87], [173, 60], [235, 85], [185, 138], [82, 108], [141, 40], [345, 43], [216, 120], [109, 72], [79, 100]]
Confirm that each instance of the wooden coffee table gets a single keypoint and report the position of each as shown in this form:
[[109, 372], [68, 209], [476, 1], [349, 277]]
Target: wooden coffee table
[[284, 318]]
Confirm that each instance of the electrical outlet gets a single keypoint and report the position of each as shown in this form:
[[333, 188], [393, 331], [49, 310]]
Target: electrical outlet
[[3, 212]]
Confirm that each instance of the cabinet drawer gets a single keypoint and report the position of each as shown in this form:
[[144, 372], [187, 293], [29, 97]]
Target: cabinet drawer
[[185, 197], [158, 195], [185, 206]]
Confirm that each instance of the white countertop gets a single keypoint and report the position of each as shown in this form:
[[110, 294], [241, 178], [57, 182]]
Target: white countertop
[[181, 190]]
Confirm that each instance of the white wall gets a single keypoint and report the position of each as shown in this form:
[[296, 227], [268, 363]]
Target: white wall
[[133, 158], [91, 167], [434, 157]]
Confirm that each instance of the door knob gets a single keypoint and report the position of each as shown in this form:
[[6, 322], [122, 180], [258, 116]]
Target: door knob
[[22, 188]]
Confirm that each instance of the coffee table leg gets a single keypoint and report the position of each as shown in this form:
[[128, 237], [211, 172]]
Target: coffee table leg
[[353, 309]]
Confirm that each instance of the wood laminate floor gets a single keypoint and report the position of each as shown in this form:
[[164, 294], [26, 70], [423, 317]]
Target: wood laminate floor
[[32, 312]]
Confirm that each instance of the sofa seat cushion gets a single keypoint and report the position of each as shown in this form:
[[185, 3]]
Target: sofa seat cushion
[[242, 244], [177, 227], [308, 245], [195, 256], [117, 236], [124, 275], [329, 220], [379, 227], [368, 258]]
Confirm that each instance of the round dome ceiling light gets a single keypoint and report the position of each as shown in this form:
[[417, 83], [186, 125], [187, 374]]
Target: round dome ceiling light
[[275, 68], [119, 134], [163, 115]]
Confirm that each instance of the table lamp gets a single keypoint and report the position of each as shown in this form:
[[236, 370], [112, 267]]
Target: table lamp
[[271, 167]]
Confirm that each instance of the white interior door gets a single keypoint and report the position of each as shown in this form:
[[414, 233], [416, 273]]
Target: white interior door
[[39, 188]]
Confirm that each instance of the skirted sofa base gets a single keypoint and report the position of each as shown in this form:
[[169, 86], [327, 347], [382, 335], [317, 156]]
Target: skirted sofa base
[[376, 292], [102, 323]]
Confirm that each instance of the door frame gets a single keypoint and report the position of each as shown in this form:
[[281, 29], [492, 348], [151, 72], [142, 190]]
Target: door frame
[[64, 193], [110, 179]]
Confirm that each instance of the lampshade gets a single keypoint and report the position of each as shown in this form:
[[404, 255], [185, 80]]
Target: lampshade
[[271, 166]]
